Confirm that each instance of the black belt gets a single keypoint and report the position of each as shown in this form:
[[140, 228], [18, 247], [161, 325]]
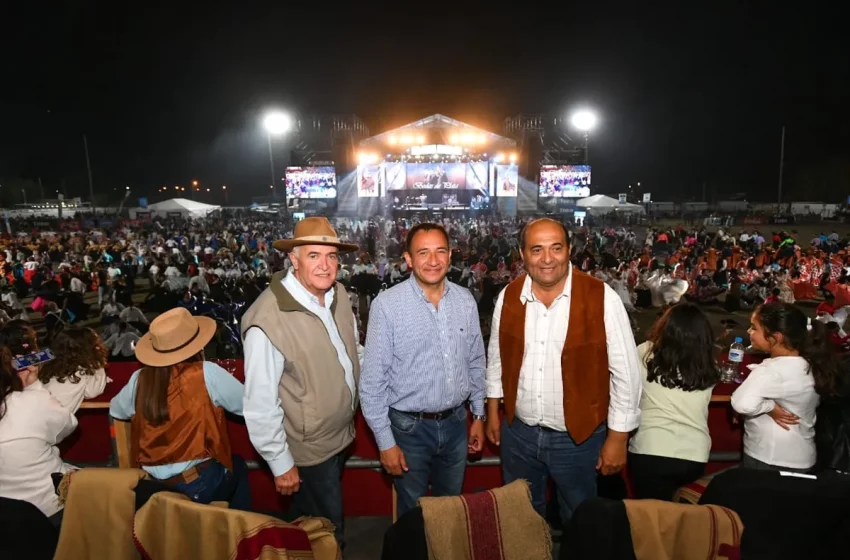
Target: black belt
[[442, 415]]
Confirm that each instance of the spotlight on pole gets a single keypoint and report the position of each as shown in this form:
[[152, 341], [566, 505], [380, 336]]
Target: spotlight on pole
[[584, 120], [277, 122]]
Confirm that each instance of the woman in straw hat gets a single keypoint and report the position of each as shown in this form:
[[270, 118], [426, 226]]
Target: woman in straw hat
[[176, 405]]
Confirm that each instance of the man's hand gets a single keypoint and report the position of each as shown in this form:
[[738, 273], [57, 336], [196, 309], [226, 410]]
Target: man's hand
[[393, 461], [288, 483], [612, 456], [494, 430], [784, 418], [476, 436], [494, 424]]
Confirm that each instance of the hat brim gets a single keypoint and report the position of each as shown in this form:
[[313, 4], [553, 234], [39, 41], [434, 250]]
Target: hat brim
[[149, 356], [286, 245]]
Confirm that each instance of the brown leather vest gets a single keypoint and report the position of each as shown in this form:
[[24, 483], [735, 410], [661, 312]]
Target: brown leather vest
[[196, 428], [584, 359]]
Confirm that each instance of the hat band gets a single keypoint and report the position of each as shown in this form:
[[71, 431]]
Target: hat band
[[176, 348], [318, 238]]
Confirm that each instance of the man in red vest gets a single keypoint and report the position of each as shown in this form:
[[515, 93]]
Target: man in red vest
[[562, 358]]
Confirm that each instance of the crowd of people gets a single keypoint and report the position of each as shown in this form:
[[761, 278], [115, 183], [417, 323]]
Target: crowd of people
[[393, 317]]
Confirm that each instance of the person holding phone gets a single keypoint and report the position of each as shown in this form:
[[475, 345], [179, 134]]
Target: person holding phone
[[32, 423]]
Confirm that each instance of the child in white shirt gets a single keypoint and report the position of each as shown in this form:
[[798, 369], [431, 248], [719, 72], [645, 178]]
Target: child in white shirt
[[780, 396], [78, 371]]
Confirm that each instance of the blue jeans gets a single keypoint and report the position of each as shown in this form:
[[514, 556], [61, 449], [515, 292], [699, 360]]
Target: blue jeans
[[216, 484], [434, 450], [320, 494], [534, 454]]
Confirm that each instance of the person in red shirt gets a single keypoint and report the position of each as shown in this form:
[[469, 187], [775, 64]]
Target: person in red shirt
[[827, 307], [836, 337], [773, 297]]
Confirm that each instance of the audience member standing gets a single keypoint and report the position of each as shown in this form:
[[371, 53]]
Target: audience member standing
[[301, 369], [563, 358], [424, 360], [672, 444]]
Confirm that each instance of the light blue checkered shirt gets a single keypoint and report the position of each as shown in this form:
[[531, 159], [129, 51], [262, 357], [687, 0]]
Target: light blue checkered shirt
[[420, 358]]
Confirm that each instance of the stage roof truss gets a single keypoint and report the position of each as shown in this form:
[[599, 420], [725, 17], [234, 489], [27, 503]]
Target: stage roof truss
[[445, 127]]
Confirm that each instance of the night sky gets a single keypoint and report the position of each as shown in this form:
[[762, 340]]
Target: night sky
[[171, 94]]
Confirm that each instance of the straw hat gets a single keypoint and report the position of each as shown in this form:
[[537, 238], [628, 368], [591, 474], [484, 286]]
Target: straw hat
[[314, 231], [174, 336]]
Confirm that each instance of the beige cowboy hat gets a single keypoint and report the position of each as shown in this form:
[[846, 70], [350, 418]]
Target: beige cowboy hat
[[314, 231], [174, 336]]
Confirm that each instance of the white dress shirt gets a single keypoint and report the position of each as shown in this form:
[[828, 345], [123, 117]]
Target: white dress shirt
[[264, 364], [70, 395], [540, 395], [33, 423], [785, 381]]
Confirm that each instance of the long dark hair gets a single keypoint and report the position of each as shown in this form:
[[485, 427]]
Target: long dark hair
[[10, 381], [809, 338], [76, 349], [152, 390], [682, 350]]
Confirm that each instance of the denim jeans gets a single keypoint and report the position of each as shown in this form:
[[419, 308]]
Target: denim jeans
[[216, 484], [534, 454], [434, 450], [320, 494]]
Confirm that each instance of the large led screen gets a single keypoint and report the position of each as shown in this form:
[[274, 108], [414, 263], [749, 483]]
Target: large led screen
[[507, 179], [567, 181], [477, 176], [368, 181], [396, 176], [311, 182], [436, 175]]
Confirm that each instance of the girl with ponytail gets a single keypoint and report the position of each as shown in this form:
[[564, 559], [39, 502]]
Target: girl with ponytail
[[780, 396]]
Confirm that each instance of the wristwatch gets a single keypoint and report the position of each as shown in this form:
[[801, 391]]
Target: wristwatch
[[482, 417]]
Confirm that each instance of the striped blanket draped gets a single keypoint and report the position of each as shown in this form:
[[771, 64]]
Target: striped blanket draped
[[498, 524]]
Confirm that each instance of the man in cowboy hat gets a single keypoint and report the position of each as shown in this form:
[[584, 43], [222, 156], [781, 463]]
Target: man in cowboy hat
[[301, 370]]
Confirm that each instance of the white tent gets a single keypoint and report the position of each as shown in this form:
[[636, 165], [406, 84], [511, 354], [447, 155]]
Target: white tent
[[186, 208], [601, 204]]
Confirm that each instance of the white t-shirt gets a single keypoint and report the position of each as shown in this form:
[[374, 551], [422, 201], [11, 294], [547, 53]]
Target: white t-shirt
[[785, 381], [70, 395], [33, 423], [674, 423]]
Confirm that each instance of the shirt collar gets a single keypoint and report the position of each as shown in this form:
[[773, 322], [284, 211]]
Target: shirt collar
[[528, 295], [417, 289], [300, 293]]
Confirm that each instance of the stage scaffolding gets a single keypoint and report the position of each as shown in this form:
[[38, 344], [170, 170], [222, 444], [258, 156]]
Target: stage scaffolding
[[329, 138], [541, 140]]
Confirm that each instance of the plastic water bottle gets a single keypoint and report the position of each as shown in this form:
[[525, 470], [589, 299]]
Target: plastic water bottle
[[734, 362]]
